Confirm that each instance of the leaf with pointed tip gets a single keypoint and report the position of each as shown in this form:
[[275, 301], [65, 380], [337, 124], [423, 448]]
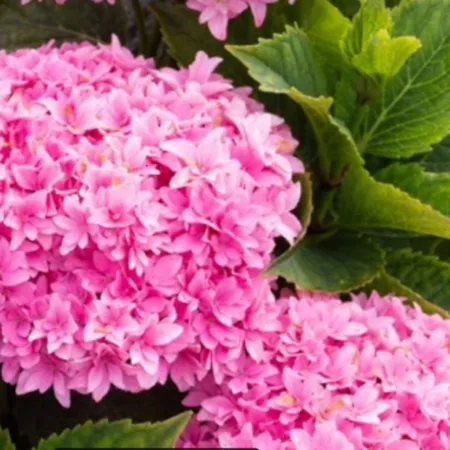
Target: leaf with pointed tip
[[430, 188], [413, 113], [372, 17], [119, 434], [384, 56], [341, 262], [335, 146], [365, 204], [426, 275], [5, 440], [35, 24], [286, 61]]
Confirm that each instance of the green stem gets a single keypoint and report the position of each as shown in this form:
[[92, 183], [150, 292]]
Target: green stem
[[140, 22]]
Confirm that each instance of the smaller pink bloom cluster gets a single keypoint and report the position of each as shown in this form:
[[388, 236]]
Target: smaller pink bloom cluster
[[137, 209], [371, 374], [217, 13]]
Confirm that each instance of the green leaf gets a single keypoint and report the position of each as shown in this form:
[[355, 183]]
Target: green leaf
[[438, 160], [365, 203], [337, 263], [430, 188], [286, 61], [5, 440], [305, 207], [336, 149], [426, 275], [119, 434], [384, 56], [413, 112], [325, 25], [370, 19], [385, 284], [35, 24], [347, 96]]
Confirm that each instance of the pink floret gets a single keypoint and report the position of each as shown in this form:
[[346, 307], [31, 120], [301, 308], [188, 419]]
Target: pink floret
[[138, 208]]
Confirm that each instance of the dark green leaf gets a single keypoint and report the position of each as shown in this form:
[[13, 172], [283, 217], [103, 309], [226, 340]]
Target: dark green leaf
[[337, 263], [426, 275], [348, 7], [35, 24], [336, 149], [284, 62], [439, 158], [365, 203], [430, 188], [413, 113], [119, 434]]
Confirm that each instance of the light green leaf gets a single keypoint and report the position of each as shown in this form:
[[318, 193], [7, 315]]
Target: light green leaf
[[365, 203], [384, 56], [119, 434], [385, 284], [426, 275], [370, 19], [35, 24], [430, 188], [337, 263], [438, 160], [5, 440], [413, 112], [284, 62], [305, 207]]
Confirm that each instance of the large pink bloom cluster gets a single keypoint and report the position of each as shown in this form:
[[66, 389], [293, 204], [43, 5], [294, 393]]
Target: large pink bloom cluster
[[217, 13], [137, 207], [371, 374]]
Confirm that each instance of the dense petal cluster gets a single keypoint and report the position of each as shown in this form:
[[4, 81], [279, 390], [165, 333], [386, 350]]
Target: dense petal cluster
[[138, 207], [371, 374], [217, 13]]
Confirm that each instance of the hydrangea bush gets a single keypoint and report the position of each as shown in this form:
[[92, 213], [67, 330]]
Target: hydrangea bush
[[160, 204]]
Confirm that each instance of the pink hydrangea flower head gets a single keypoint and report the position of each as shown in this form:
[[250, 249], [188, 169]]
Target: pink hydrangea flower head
[[134, 229], [376, 378]]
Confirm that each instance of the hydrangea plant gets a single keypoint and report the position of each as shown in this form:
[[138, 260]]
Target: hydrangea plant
[[247, 200]]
